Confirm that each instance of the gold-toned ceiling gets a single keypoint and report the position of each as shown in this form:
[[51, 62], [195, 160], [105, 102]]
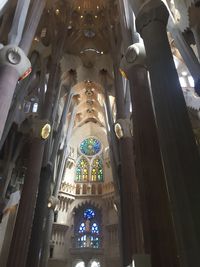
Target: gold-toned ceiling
[[89, 5], [90, 108], [88, 23]]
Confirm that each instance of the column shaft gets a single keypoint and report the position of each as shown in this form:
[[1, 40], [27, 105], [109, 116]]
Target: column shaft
[[33, 257], [179, 152], [8, 80], [130, 216], [159, 239], [22, 230]]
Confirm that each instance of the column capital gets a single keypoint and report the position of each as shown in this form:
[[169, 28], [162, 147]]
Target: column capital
[[151, 11], [36, 128], [123, 128], [135, 56], [14, 56]]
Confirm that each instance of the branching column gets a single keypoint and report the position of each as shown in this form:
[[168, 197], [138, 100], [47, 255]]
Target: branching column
[[130, 216], [179, 152], [14, 64], [50, 212], [159, 236]]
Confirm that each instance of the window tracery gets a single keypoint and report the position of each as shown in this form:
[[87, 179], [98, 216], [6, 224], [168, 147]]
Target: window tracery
[[97, 170], [90, 165], [88, 230], [82, 170], [90, 146]]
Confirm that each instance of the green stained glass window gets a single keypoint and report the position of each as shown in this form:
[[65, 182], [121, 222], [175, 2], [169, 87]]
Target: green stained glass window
[[90, 146], [82, 170], [97, 170]]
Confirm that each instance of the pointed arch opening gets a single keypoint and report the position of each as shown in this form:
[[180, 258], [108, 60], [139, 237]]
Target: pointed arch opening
[[97, 170], [82, 170]]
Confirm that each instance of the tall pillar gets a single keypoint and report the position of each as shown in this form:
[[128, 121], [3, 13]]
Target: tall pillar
[[38, 222], [21, 235], [14, 64], [130, 216], [20, 243], [50, 213], [44, 193], [180, 156], [159, 236]]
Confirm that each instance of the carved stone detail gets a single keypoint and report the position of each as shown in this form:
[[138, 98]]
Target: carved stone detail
[[151, 11]]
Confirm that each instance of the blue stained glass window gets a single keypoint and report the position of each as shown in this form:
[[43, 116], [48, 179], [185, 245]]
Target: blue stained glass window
[[89, 214], [94, 242], [82, 228], [88, 230], [90, 146], [82, 241], [95, 228]]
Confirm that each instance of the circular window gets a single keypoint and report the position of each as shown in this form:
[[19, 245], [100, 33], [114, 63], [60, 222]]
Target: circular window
[[90, 146], [89, 214]]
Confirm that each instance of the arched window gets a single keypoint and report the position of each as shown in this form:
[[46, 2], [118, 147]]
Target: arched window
[[97, 170], [95, 228], [88, 230], [82, 170], [82, 228], [89, 167]]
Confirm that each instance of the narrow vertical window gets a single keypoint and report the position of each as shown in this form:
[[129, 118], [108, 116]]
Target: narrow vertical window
[[82, 170], [97, 170]]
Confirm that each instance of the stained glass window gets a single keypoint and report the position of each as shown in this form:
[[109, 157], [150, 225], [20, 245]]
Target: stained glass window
[[82, 241], [82, 228], [82, 170], [88, 230], [89, 214], [95, 228], [94, 242], [97, 170], [90, 146]]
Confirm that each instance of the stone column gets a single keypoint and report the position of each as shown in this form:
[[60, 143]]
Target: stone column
[[130, 217], [13, 65], [20, 242], [159, 236], [180, 156], [50, 212], [22, 230], [44, 192], [38, 222]]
